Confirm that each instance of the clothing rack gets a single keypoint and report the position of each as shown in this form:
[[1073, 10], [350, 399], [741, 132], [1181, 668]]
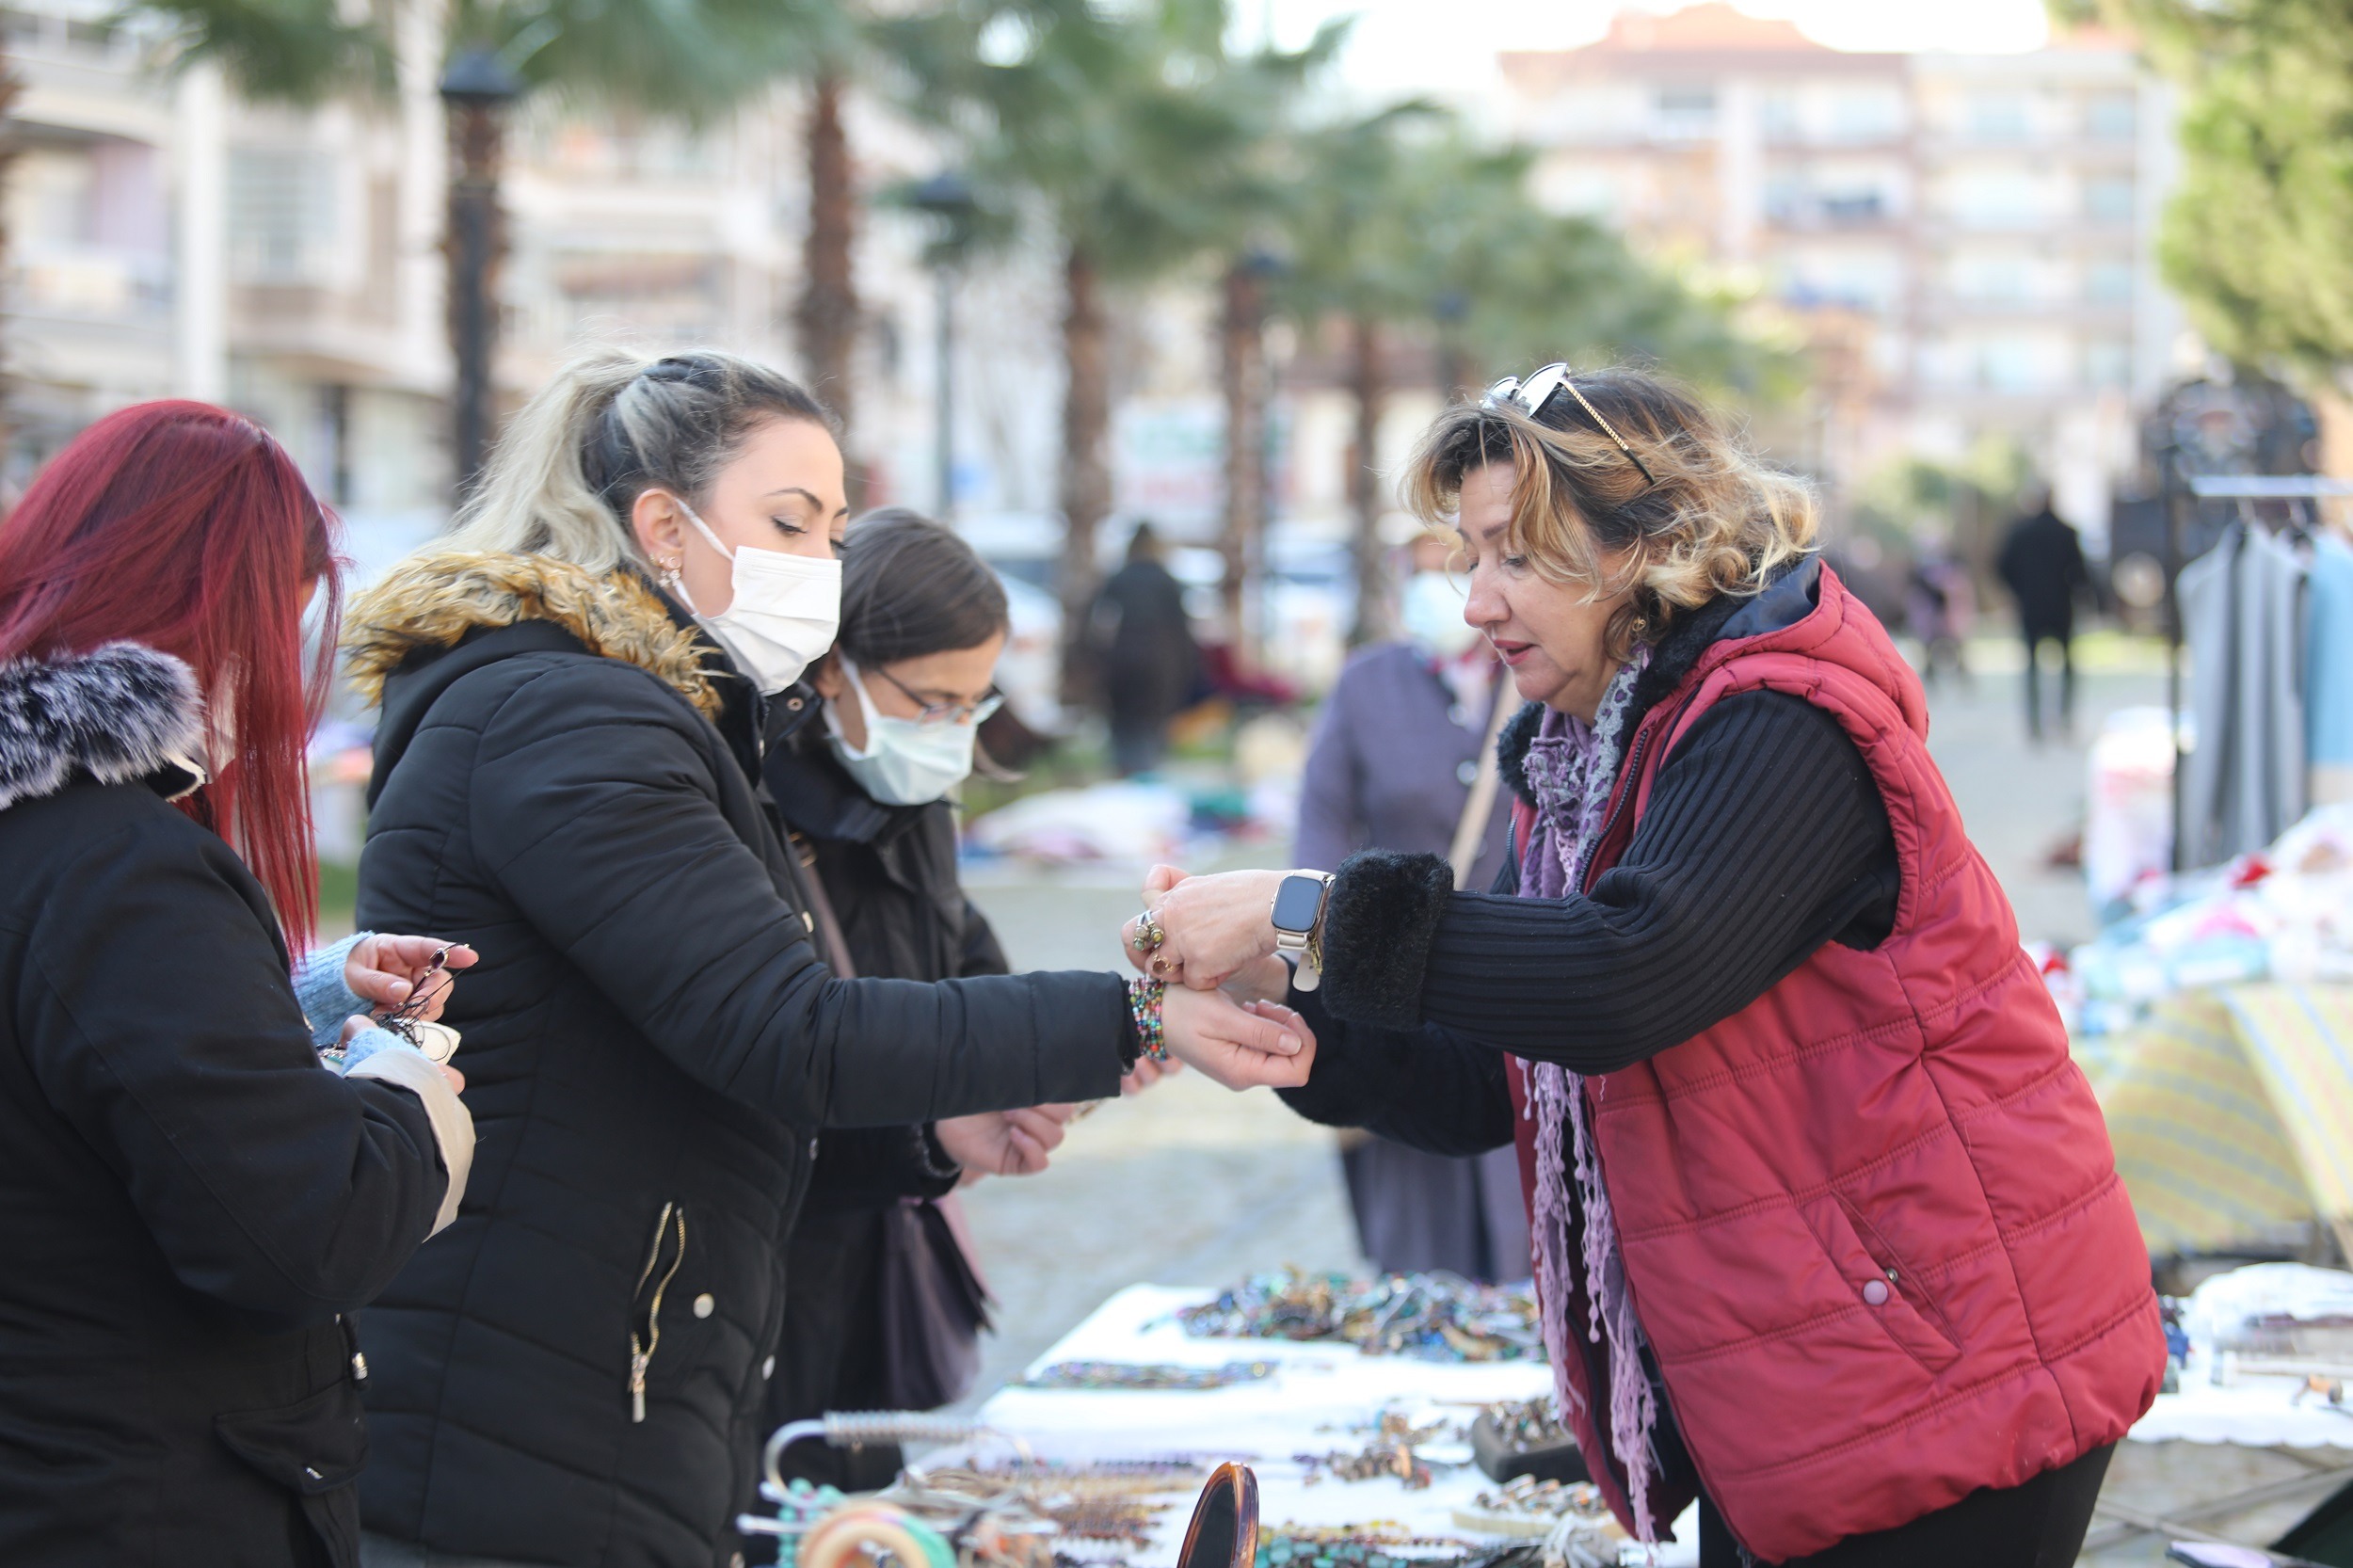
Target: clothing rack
[[2242, 487]]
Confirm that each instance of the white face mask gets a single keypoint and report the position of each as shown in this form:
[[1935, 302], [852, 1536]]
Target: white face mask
[[786, 610], [905, 763], [1432, 613]]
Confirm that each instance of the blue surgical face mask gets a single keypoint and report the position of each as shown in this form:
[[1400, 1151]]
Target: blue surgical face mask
[[1431, 611], [905, 763]]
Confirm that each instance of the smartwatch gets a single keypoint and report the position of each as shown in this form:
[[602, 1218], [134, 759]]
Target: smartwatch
[[1297, 914]]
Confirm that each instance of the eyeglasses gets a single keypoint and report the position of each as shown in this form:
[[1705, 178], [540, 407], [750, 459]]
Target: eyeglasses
[[1533, 395], [947, 712]]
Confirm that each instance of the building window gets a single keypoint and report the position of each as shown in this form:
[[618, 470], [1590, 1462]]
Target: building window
[[1687, 110], [2108, 364], [1999, 116], [281, 215], [1777, 114], [1864, 116], [2008, 366], [2111, 117], [2108, 200], [2108, 282], [1997, 199]]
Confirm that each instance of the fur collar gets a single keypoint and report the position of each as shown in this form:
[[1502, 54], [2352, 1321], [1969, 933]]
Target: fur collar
[[431, 602], [118, 714]]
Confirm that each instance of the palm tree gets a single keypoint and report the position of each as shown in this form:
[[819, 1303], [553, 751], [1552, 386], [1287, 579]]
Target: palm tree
[[1402, 224], [1356, 260], [1127, 133]]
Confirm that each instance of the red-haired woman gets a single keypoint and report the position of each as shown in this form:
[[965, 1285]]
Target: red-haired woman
[[189, 1197]]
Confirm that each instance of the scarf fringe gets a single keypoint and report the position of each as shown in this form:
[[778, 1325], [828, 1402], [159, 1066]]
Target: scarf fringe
[[1574, 768]]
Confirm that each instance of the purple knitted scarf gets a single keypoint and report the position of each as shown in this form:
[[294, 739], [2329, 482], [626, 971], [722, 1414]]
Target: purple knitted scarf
[[1571, 768]]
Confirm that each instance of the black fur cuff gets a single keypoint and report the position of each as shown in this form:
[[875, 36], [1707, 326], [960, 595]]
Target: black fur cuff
[[1378, 923]]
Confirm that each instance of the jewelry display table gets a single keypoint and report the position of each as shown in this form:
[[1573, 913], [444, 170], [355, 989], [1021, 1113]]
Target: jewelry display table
[[1319, 1399]]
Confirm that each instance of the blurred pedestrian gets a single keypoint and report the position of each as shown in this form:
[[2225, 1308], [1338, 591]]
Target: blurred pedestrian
[[1143, 640], [1940, 607], [190, 1198], [574, 687], [1402, 759], [884, 1300], [2042, 565]]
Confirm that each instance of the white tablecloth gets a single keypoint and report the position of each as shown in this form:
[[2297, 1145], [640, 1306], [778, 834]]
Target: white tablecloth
[[1314, 1403], [2252, 1412]]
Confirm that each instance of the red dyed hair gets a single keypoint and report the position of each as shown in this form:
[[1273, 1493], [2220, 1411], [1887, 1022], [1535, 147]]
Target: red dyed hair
[[188, 528]]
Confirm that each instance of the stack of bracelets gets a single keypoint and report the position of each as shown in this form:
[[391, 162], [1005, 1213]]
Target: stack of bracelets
[[1144, 999]]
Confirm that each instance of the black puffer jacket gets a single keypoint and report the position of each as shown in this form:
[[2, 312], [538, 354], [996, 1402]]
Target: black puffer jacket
[[890, 875], [187, 1198], [650, 1045]]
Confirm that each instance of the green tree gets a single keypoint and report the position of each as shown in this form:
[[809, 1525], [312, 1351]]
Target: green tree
[[2256, 236], [1124, 133]]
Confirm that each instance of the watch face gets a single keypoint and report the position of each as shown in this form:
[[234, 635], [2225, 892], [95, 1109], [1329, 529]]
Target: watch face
[[1297, 902]]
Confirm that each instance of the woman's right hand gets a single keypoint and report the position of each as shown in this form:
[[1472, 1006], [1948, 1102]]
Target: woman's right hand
[[1239, 1045], [386, 971]]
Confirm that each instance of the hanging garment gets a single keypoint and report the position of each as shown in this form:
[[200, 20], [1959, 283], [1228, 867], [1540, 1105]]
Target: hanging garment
[[2243, 613], [2329, 670]]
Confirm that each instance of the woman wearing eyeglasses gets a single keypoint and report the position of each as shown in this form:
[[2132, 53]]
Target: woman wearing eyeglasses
[[862, 781], [1827, 1227]]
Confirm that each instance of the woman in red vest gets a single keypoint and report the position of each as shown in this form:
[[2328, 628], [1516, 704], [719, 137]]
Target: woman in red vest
[[1828, 1230]]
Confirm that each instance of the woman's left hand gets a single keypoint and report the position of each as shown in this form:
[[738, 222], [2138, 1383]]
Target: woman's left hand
[[385, 970], [1211, 927], [1005, 1142]]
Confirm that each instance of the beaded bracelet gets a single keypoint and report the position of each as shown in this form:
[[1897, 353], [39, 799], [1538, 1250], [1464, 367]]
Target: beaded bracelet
[[1144, 1001]]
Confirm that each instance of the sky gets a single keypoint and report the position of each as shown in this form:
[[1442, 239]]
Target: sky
[[1445, 48]]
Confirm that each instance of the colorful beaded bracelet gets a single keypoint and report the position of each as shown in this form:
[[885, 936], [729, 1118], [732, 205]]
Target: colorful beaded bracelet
[[1143, 1000]]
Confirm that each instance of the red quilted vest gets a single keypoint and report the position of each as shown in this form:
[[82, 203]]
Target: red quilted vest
[[1871, 1222]]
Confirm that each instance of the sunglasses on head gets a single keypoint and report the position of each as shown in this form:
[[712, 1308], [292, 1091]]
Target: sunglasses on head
[[1533, 395]]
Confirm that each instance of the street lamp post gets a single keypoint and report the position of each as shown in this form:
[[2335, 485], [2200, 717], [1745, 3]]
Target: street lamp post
[[476, 91], [947, 197]]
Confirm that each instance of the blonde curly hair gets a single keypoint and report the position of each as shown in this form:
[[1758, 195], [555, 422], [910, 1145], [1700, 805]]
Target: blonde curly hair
[[1710, 520]]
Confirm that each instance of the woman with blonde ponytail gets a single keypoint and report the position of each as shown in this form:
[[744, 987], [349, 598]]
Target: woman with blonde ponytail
[[576, 688], [1828, 1234]]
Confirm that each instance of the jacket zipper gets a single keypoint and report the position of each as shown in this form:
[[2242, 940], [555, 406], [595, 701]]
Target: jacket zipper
[[641, 1350], [1630, 776]]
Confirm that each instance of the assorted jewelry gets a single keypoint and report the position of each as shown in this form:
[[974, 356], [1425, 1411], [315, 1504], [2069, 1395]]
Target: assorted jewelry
[[1391, 1452], [1140, 1377], [1532, 1508], [1149, 935], [435, 1039], [1144, 997], [1378, 1544], [1118, 1502], [1527, 1423], [1436, 1316]]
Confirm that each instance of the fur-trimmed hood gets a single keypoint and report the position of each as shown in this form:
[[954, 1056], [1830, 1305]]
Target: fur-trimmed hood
[[119, 713], [433, 600]]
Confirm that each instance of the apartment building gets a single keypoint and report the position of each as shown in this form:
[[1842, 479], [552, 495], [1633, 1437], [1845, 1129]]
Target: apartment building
[[1964, 241], [165, 238]]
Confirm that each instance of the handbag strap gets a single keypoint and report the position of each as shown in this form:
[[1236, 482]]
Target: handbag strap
[[838, 957], [1471, 831]]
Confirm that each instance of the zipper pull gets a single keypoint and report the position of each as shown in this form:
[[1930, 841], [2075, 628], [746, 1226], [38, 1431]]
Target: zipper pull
[[639, 1362]]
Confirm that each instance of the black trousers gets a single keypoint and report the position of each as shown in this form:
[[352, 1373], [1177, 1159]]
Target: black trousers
[[2036, 638], [2040, 1524]]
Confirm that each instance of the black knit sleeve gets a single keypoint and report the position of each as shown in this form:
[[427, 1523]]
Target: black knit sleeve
[[1426, 1088], [1765, 837]]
